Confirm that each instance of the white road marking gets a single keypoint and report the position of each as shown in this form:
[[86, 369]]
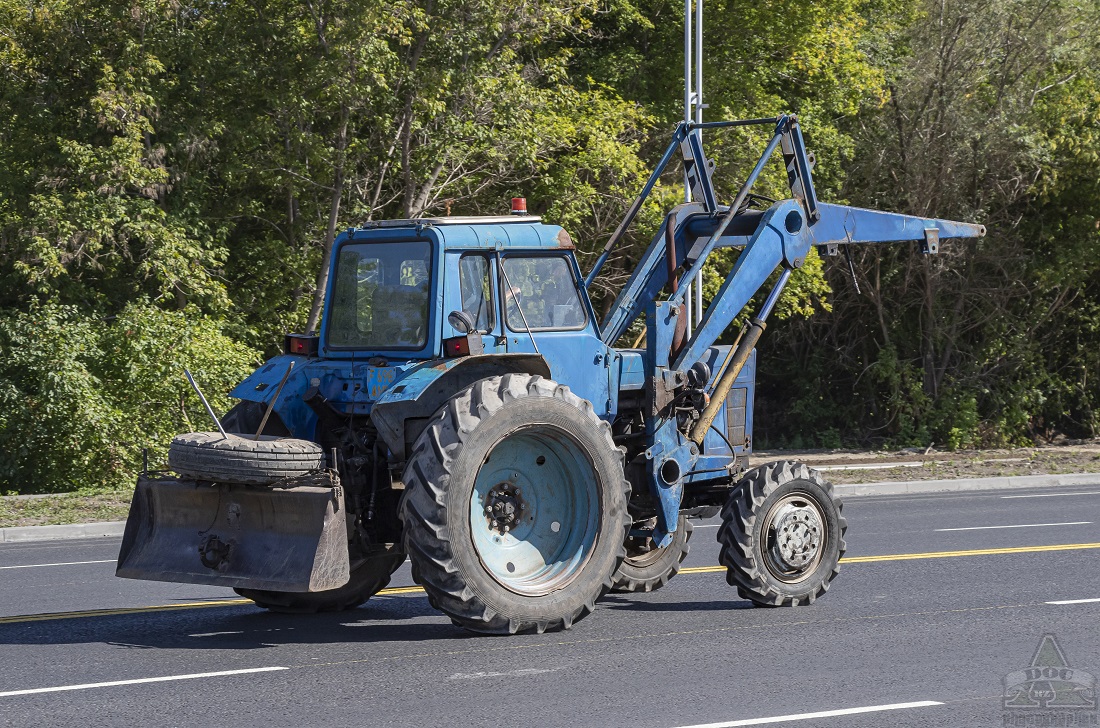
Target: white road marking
[[822, 714], [1075, 601], [168, 678], [1019, 525], [509, 673], [63, 563], [1052, 495], [709, 525]]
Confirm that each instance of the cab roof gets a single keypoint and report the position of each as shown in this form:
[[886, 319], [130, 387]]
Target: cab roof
[[511, 231]]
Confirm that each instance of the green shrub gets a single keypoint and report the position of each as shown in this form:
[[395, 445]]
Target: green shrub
[[81, 396]]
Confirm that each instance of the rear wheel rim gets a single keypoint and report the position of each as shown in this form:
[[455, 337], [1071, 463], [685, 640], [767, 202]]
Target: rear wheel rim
[[535, 510]]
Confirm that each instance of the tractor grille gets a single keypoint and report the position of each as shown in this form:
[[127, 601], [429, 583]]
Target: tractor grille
[[736, 402]]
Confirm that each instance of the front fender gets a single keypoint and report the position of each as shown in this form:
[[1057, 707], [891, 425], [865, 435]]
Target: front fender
[[402, 412]]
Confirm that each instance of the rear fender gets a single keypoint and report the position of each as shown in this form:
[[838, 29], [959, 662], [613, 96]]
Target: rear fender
[[402, 412], [262, 384]]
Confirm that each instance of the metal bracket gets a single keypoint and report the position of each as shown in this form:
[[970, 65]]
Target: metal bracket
[[931, 243], [698, 170], [828, 250]]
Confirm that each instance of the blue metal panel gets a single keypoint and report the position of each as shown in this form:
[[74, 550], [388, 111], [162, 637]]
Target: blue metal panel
[[843, 224], [631, 369], [715, 451], [503, 236], [419, 377], [349, 387], [577, 359]]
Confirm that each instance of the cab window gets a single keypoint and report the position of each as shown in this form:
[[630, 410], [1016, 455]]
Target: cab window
[[475, 289], [542, 290], [380, 296]]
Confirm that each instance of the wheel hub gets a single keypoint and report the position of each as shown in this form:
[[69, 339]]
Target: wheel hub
[[504, 507], [798, 532]]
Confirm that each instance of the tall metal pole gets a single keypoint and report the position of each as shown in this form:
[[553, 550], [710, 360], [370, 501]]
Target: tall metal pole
[[687, 80], [699, 120], [688, 99]]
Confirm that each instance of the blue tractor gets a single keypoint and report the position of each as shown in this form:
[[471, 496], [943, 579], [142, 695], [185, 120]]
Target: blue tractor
[[462, 407]]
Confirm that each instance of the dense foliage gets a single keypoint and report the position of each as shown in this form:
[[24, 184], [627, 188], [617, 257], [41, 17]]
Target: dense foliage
[[172, 176]]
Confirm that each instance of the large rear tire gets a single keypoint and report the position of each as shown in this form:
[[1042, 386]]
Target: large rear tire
[[782, 535], [646, 568], [514, 513], [368, 577]]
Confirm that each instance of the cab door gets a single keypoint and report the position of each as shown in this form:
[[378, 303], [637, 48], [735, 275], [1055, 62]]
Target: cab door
[[543, 312], [474, 291]]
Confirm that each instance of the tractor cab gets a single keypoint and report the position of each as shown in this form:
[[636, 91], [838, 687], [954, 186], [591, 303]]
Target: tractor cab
[[401, 289]]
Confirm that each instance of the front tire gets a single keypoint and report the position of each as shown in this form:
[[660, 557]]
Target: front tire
[[514, 513], [646, 568], [782, 535]]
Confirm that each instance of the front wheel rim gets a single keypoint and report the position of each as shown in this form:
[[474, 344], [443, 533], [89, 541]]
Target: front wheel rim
[[795, 537], [535, 510]]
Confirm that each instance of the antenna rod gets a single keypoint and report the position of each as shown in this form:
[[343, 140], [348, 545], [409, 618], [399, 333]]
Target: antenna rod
[[699, 120]]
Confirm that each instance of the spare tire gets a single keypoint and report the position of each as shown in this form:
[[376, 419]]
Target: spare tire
[[235, 459]]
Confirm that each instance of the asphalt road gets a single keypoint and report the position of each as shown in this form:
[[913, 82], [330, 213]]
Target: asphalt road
[[920, 641]]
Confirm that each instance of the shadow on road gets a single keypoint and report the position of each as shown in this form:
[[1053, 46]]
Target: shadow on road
[[405, 618], [622, 601], [244, 627]]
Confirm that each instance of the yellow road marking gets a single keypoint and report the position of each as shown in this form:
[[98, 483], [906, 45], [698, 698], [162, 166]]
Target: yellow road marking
[[402, 590], [972, 552], [394, 591], [931, 555], [128, 610]]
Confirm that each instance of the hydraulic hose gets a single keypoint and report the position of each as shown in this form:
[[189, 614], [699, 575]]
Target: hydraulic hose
[[746, 342]]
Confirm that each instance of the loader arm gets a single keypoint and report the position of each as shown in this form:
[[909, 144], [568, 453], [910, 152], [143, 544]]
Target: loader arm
[[783, 239], [778, 238], [692, 231]]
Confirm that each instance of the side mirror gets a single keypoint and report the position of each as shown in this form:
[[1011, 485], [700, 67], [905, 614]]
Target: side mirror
[[469, 343], [462, 322]]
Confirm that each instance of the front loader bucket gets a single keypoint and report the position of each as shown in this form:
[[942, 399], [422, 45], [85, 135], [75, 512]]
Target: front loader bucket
[[290, 539]]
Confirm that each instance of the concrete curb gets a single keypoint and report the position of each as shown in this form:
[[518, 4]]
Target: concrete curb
[[115, 528], [968, 484], [19, 534]]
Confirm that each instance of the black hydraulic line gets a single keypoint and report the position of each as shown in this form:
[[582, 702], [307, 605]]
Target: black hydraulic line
[[723, 436], [727, 124]]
